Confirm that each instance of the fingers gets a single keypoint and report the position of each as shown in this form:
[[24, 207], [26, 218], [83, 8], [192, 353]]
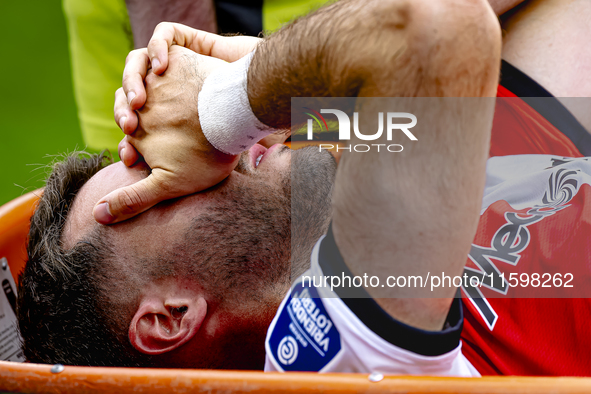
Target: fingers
[[124, 116], [163, 38], [129, 201], [132, 95], [229, 49], [136, 69], [166, 34], [127, 153]]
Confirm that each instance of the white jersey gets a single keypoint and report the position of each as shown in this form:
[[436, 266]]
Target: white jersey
[[315, 330]]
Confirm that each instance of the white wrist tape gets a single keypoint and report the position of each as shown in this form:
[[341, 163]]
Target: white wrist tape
[[225, 114]]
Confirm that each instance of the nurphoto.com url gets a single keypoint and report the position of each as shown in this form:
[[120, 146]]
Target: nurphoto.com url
[[436, 281]]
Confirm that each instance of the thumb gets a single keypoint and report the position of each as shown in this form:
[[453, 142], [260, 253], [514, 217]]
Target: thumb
[[129, 201]]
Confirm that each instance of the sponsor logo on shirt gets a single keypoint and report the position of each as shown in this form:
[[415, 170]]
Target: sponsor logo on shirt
[[512, 238], [304, 337]]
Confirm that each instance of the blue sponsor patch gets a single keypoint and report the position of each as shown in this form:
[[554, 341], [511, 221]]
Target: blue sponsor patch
[[304, 337]]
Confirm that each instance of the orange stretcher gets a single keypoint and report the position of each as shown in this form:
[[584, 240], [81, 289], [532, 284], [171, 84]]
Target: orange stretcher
[[41, 378]]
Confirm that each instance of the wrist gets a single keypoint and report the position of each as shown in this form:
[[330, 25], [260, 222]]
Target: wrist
[[225, 114]]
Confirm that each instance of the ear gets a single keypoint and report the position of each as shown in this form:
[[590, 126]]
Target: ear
[[164, 324]]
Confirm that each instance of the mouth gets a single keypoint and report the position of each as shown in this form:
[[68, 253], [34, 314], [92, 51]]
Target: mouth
[[256, 154], [259, 153]]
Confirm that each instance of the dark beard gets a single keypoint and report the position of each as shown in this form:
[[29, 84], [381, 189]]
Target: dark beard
[[250, 243], [312, 179]]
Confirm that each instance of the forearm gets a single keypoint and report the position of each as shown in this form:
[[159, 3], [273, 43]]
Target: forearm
[[324, 54], [402, 213], [333, 52], [415, 212], [144, 15]]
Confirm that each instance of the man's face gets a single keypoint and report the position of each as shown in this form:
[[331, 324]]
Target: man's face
[[260, 171], [230, 243], [234, 239]]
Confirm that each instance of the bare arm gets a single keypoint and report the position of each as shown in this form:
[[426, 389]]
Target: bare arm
[[144, 15], [416, 211]]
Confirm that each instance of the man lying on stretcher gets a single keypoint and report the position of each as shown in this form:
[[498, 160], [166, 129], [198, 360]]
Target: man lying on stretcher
[[537, 171], [196, 281]]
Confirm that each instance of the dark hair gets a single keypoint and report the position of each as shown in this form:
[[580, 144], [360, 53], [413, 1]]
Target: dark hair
[[62, 314]]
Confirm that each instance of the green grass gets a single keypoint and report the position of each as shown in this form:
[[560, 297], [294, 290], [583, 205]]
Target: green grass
[[37, 104]]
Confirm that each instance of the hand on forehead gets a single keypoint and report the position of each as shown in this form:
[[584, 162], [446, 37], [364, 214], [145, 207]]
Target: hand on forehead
[[147, 231]]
